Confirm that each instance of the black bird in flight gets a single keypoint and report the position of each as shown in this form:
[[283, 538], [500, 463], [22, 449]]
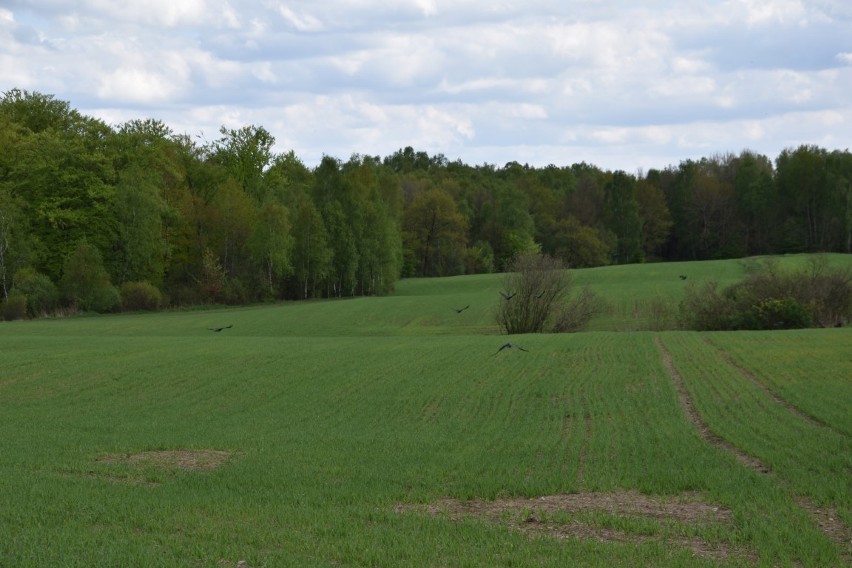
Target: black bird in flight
[[683, 276], [507, 296], [460, 310], [218, 329], [509, 345]]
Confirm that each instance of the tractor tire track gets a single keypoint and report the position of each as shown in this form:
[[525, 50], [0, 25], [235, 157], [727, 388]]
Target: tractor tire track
[[707, 434], [826, 518], [812, 420]]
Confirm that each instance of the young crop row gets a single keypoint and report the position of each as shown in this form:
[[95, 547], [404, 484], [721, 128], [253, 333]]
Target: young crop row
[[806, 457]]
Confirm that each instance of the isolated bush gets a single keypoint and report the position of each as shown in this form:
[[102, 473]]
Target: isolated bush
[[15, 307], [770, 298], [705, 308], [85, 282], [42, 296], [137, 296], [540, 287], [576, 313]]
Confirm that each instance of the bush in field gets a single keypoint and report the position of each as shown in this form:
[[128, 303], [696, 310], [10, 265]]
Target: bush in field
[[15, 307], [85, 282], [576, 313], [769, 298], [540, 287], [42, 296], [138, 296]]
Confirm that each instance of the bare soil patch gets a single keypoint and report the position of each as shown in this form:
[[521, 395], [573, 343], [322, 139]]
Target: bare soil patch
[[832, 526], [189, 460], [535, 516]]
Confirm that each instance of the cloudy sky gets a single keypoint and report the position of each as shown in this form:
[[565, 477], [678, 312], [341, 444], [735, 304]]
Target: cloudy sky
[[619, 84]]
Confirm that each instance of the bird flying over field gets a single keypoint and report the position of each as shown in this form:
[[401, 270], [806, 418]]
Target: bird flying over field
[[507, 296], [539, 294], [460, 310], [218, 329], [509, 345], [683, 276]]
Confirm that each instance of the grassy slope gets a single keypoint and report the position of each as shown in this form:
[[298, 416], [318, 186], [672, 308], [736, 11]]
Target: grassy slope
[[340, 410]]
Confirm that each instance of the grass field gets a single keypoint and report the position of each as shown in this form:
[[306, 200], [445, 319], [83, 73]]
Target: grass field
[[387, 432]]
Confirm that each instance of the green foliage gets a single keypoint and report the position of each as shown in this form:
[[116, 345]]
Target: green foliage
[[213, 279], [479, 258], [434, 232], [245, 153], [771, 298], [153, 202], [654, 217], [622, 217], [15, 241], [41, 293], [580, 246], [15, 307], [271, 244], [138, 296], [139, 211], [776, 313], [85, 283]]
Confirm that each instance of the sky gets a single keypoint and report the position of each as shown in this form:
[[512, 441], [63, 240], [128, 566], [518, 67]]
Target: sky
[[623, 85]]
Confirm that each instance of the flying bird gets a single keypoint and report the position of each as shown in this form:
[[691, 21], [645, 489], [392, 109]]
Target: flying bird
[[683, 276], [509, 345], [460, 310], [539, 294], [218, 329], [507, 296]]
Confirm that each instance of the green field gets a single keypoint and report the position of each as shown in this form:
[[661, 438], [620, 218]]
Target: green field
[[387, 432]]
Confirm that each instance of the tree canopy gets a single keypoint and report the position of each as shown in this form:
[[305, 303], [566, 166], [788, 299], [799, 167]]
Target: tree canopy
[[233, 221]]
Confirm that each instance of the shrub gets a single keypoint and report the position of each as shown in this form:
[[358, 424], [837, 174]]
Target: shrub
[[137, 296], [42, 296], [575, 314], [540, 287], [775, 313], [769, 298], [704, 308], [105, 299], [15, 307]]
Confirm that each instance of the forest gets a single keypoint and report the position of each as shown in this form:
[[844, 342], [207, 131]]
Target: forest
[[99, 217]]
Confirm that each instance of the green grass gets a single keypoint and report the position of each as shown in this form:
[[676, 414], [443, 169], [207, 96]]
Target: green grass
[[339, 412]]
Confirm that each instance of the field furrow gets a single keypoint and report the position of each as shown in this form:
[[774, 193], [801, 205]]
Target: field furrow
[[733, 412]]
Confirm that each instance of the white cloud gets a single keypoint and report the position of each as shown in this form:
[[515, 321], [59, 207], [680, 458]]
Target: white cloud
[[536, 81], [137, 85], [302, 22], [759, 12]]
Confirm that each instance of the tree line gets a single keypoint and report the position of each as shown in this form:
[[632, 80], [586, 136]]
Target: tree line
[[136, 210]]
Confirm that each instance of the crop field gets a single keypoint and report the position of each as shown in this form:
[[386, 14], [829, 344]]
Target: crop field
[[391, 432]]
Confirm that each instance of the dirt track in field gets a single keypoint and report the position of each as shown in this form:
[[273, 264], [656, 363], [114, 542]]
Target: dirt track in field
[[826, 518]]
